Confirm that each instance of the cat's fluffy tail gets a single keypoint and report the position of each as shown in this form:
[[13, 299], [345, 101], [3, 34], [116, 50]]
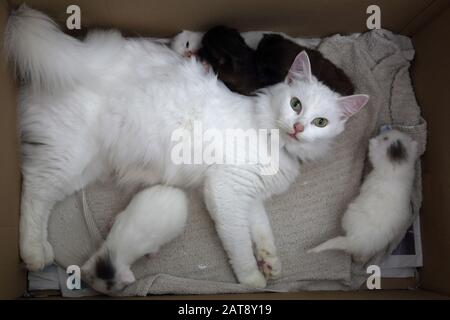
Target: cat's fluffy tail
[[338, 243], [40, 51], [49, 58]]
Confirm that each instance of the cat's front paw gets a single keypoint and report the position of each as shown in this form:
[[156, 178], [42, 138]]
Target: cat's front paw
[[48, 253], [269, 264], [254, 279], [34, 258], [37, 256]]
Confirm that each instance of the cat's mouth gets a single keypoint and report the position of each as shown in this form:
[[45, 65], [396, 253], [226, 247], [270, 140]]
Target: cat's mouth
[[293, 135]]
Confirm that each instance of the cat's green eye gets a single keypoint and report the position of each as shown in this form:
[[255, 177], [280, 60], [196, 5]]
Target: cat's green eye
[[320, 122], [296, 105]]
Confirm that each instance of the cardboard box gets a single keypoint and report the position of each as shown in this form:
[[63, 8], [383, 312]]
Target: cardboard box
[[426, 21]]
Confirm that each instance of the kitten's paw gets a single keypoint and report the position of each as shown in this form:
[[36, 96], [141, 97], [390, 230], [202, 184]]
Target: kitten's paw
[[254, 280], [269, 264]]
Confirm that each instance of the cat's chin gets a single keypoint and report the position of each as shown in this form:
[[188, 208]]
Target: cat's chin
[[306, 150], [291, 145]]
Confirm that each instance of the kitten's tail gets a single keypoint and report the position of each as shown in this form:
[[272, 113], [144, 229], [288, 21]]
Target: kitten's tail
[[338, 243], [43, 54]]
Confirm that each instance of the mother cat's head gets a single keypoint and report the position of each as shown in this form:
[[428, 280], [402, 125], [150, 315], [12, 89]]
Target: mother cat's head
[[308, 114]]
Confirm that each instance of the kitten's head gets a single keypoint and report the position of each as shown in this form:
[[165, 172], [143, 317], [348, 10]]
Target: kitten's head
[[226, 51], [103, 275], [309, 114], [391, 149], [187, 43]]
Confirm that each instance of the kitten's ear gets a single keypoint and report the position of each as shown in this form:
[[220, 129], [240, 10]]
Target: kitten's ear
[[300, 68], [350, 105]]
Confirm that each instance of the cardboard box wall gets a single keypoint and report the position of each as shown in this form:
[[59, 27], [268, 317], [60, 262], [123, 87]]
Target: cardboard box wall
[[426, 21]]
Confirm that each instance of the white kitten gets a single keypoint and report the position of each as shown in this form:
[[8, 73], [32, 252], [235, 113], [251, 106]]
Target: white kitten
[[381, 213], [154, 217], [116, 112], [187, 43]]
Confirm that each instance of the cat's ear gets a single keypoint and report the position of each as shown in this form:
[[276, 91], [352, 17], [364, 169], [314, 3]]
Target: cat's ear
[[350, 105], [300, 68]]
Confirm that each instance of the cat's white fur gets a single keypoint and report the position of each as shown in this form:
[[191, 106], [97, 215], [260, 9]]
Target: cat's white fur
[[115, 113], [381, 213], [155, 216]]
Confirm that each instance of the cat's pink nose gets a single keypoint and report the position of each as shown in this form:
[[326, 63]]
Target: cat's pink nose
[[298, 127]]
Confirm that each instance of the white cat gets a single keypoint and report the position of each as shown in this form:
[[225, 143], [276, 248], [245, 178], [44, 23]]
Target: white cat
[[155, 216], [381, 213], [110, 105]]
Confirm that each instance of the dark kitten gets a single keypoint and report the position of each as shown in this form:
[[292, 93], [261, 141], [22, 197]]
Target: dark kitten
[[231, 58], [244, 70], [274, 57]]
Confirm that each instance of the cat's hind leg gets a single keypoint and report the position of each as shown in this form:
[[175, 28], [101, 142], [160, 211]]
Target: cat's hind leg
[[50, 173], [263, 240]]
